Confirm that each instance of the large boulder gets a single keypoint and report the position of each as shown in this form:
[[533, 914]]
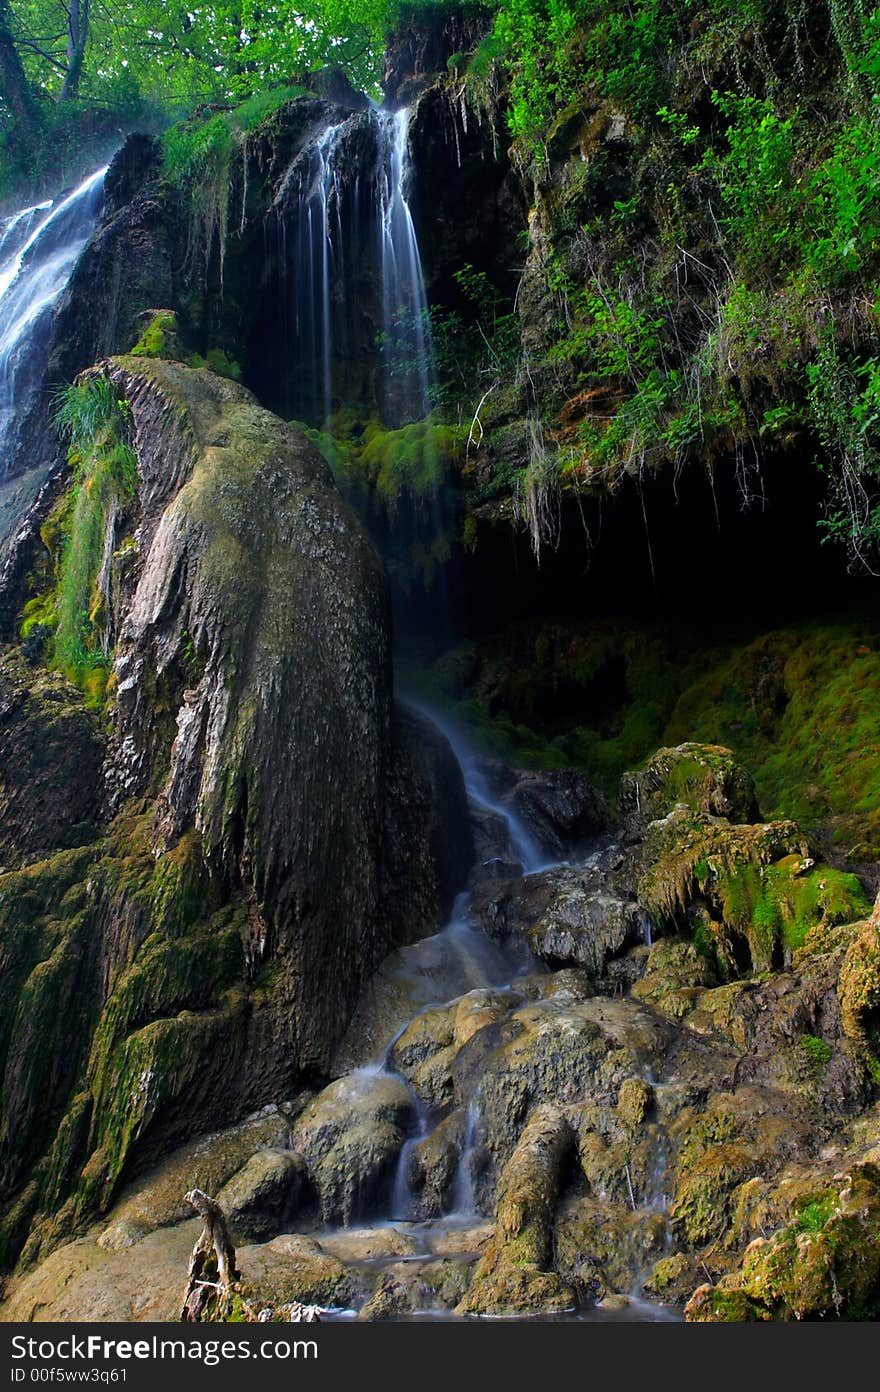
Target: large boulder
[[263, 1197], [570, 916], [350, 1138], [205, 954], [704, 777], [560, 811]]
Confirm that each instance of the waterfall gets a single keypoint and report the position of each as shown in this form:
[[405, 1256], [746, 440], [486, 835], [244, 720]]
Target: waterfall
[[405, 320], [39, 248], [352, 261], [464, 1197], [317, 265]]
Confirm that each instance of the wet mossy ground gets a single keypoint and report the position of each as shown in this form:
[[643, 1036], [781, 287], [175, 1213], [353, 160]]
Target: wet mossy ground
[[798, 706]]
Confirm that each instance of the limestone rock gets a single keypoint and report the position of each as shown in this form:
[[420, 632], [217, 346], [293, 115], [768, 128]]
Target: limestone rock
[[571, 916], [215, 940], [429, 837], [264, 1195], [51, 752], [513, 1275], [561, 809], [634, 1101], [675, 977], [293, 1268], [704, 777], [157, 1199], [350, 1138], [602, 1247]]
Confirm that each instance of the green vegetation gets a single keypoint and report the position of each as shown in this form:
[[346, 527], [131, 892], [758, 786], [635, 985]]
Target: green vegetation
[[157, 338], [823, 1265], [715, 263], [814, 1056], [798, 707], [72, 75], [104, 467]]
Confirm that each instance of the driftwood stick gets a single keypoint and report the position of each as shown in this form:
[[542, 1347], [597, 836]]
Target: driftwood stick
[[212, 1269]]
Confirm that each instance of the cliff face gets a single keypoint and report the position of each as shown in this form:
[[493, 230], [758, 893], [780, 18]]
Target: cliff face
[[202, 954], [218, 827]]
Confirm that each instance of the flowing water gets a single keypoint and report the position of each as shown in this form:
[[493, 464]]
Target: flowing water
[[437, 971], [350, 259], [39, 248]]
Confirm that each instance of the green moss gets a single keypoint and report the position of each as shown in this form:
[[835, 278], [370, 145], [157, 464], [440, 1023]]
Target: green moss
[[732, 1307], [104, 488], [798, 707], [775, 906], [39, 612], [96, 1059], [216, 360], [826, 1263], [812, 1215], [155, 341]]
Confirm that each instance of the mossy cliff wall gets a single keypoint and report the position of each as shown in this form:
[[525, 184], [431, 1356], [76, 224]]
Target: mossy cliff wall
[[269, 823]]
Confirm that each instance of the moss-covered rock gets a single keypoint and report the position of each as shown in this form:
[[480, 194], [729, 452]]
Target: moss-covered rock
[[749, 893], [825, 1264], [158, 1198], [264, 1195], [293, 1268], [601, 1248], [634, 1100], [703, 777], [207, 952], [555, 1050], [350, 1137], [676, 974], [514, 1275], [51, 751], [858, 991]]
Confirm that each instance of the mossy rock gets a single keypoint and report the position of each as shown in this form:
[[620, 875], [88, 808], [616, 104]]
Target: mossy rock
[[514, 1275], [634, 1101], [51, 752], [705, 778], [676, 974], [825, 1264], [160, 338], [158, 1199], [858, 991], [750, 894], [293, 1268], [350, 1137]]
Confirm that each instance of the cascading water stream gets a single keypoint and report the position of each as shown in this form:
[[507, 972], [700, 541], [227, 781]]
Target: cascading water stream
[[406, 322], [459, 959], [39, 248], [323, 195]]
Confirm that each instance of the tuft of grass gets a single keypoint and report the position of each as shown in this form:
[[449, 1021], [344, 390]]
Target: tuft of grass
[[94, 420]]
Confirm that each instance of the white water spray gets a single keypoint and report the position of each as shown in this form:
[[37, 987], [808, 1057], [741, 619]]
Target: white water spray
[[39, 248]]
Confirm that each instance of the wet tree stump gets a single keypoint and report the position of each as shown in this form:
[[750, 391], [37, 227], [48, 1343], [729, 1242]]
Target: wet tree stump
[[212, 1269]]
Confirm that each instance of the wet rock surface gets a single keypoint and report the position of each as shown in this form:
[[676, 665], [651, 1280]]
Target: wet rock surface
[[350, 1138], [268, 823], [547, 1109], [51, 752]]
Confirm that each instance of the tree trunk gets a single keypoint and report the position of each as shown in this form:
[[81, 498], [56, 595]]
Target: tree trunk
[[77, 33], [14, 87]]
